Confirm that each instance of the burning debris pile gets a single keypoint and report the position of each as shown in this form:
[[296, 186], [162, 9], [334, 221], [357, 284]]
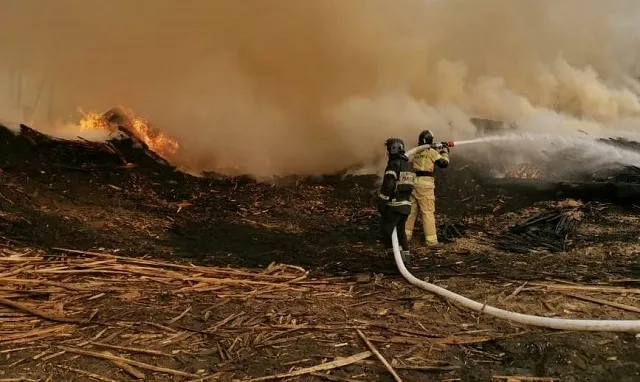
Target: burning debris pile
[[121, 120], [125, 149]]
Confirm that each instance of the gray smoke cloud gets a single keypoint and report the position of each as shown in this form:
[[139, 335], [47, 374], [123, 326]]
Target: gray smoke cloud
[[287, 86]]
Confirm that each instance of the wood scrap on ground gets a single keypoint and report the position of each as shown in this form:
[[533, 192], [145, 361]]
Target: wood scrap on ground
[[542, 231], [84, 300], [604, 302], [377, 353], [128, 363], [520, 378], [322, 367]]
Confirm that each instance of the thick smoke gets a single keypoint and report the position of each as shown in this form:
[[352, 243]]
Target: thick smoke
[[284, 86]]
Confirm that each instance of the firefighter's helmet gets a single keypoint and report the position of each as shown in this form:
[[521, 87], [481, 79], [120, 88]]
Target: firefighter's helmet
[[425, 138], [395, 146]]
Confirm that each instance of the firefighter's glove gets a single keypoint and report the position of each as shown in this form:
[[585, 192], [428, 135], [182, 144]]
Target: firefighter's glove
[[381, 205], [445, 150]]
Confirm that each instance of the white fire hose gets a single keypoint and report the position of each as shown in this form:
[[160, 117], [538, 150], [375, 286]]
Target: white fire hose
[[526, 319]]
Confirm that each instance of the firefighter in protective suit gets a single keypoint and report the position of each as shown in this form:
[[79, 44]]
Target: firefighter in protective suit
[[394, 202], [423, 197]]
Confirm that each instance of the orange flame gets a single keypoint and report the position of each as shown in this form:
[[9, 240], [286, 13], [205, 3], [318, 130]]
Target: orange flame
[[94, 121], [157, 141]]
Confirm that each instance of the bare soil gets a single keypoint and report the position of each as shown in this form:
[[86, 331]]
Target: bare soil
[[284, 274]]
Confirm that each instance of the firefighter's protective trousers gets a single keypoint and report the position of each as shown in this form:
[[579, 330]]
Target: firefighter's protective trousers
[[423, 199], [389, 220]]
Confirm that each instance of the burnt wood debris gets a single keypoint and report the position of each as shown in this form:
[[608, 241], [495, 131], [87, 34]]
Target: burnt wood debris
[[620, 185], [542, 231], [116, 264]]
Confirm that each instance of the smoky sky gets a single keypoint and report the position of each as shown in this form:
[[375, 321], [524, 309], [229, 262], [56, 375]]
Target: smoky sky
[[283, 86]]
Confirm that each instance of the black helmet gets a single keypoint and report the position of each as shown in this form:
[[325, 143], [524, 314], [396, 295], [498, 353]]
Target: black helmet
[[425, 138], [395, 146]]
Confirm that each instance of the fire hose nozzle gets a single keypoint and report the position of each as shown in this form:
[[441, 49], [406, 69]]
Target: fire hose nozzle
[[444, 144]]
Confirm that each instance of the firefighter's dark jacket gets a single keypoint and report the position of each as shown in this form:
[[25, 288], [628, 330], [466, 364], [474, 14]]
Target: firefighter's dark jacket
[[397, 185]]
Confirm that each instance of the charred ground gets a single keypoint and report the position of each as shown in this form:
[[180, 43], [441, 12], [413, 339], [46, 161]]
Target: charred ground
[[119, 196]]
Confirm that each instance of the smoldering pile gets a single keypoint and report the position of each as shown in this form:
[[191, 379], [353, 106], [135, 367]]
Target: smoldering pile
[[566, 173]]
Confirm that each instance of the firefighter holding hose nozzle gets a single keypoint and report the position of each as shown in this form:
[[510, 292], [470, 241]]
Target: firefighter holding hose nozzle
[[423, 197], [394, 202]]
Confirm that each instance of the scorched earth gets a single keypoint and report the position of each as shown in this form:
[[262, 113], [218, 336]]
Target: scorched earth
[[114, 266]]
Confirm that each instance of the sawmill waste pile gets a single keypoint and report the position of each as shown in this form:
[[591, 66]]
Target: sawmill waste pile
[[114, 265]]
